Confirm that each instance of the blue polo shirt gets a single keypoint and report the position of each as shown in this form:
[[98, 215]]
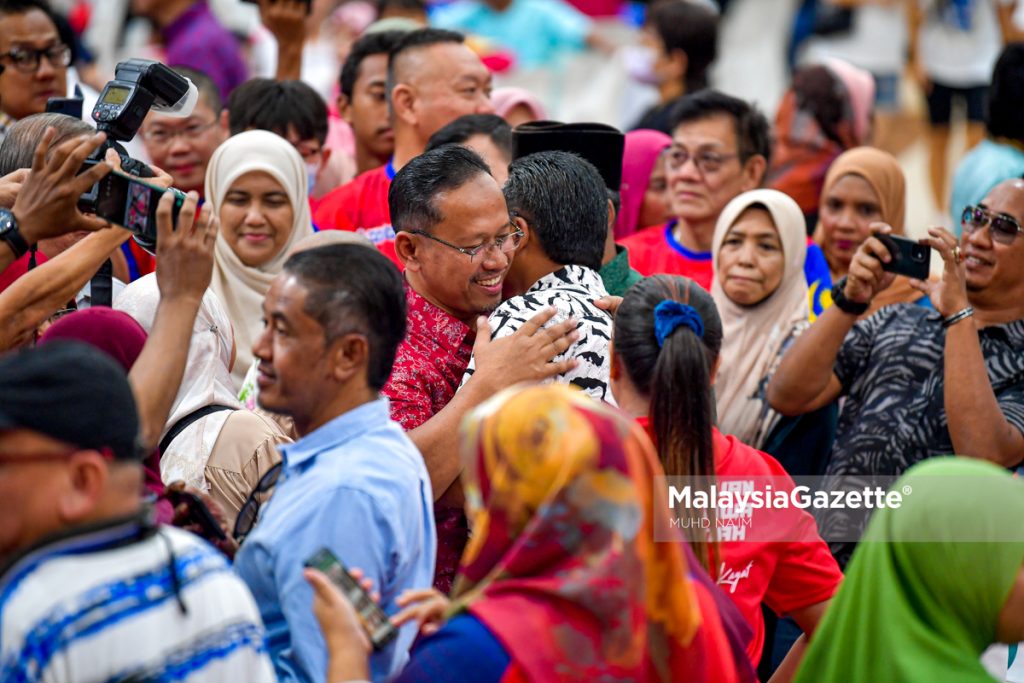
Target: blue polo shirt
[[359, 487]]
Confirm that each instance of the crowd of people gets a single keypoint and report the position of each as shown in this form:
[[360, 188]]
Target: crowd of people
[[402, 316]]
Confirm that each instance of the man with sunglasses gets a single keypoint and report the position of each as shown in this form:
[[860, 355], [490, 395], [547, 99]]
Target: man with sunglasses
[[35, 60], [90, 588], [920, 383], [456, 240]]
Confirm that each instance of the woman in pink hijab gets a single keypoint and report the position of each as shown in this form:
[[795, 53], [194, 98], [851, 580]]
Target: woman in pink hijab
[[644, 191], [517, 105]]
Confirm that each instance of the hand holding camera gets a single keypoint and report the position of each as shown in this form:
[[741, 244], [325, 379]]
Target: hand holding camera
[[185, 253], [867, 275], [46, 204]]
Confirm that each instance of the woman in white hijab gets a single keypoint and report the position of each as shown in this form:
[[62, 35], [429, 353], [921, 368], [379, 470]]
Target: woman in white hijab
[[208, 442], [256, 182], [758, 252]]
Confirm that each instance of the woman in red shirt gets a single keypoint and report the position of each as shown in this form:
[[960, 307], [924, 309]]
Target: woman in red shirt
[[667, 338]]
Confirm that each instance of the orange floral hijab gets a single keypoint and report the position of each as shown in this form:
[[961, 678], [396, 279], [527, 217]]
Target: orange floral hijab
[[562, 565]]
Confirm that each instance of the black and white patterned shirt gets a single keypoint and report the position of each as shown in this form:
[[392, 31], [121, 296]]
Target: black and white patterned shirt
[[891, 370], [571, 292]]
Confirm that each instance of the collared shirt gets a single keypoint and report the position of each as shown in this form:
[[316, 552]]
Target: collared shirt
[[571, 291], [198, 41], [103, 604], [430, 362], [429, 365], [358, 487], [617, 276], [891, 371]]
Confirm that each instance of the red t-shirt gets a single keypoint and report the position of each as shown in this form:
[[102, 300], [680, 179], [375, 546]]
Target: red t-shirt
[[655, 251], [361, 205], [787, 574]]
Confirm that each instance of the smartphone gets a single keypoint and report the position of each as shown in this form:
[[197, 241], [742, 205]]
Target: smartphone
[[909, 257], [198, 513], [377, 624], [309, 4], [69, 106], [129, 202]]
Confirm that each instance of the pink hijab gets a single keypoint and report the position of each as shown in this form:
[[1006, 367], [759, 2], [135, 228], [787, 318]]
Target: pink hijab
[[860, 86], [642, 150], [505, 100]]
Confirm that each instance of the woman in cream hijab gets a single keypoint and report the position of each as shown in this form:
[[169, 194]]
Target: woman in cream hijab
[[256, 182], [758, 252]]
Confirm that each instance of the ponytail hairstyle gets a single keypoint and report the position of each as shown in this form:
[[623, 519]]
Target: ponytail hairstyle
[[668, 335]]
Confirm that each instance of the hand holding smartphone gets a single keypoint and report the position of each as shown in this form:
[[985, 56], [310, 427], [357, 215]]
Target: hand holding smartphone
[[909, 257], [198, 513], [375, 622]]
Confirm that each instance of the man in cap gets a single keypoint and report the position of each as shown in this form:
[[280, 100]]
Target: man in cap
[[603, 146], [90, 588]]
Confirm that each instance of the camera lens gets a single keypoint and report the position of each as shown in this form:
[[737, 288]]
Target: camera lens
[[919, 253]]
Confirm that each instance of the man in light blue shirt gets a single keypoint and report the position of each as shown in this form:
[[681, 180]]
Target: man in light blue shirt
[[354, 483]]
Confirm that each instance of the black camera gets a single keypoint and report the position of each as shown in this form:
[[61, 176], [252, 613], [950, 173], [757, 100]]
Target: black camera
[[138, 86]]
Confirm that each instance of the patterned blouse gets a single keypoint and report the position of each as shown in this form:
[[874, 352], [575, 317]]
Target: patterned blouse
[[572, 291]]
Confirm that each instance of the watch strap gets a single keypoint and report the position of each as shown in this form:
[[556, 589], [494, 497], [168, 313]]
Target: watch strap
[[844, 304], [10, 234]]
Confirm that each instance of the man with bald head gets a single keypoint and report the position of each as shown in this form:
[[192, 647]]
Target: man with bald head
[[433, 79], [920, 382]]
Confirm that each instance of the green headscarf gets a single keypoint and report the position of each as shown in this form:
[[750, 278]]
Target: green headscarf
[[925, 586]]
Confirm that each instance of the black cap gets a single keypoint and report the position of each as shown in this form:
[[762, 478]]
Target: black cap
[[72, 392], [598, 143]]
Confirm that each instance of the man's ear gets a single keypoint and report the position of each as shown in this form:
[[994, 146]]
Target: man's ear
[[345, 108], [753, 172], [521, 223], [87, 480], [225, 126], [408, 254], [403, 103], [350, 355]]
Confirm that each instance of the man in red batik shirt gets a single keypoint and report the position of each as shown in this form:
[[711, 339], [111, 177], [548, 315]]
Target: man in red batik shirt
[[433, 80], [456, 240]]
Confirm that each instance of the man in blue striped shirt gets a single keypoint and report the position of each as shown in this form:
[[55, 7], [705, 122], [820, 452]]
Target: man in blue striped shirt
[[90, 588]]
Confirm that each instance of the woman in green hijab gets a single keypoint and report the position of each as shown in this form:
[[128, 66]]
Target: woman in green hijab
[[932, 584]]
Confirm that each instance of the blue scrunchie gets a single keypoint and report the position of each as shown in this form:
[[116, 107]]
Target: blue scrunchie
[[668, 315]]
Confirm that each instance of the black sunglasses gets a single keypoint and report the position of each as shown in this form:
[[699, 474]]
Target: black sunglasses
[[1003, 228], [250, 510]]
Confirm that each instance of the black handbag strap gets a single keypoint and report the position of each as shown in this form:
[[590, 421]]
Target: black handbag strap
[[184, 422]]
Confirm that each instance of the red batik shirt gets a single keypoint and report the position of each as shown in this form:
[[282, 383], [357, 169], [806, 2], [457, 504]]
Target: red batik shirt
[[428, 369]]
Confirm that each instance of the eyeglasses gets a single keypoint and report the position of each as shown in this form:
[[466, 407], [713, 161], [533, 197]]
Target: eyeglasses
[[26, 60], [1003, 228], [164, 136], [505, 243], [706, 162], [246, 519]]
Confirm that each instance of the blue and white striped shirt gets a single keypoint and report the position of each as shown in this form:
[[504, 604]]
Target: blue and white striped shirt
[[105, 605]]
